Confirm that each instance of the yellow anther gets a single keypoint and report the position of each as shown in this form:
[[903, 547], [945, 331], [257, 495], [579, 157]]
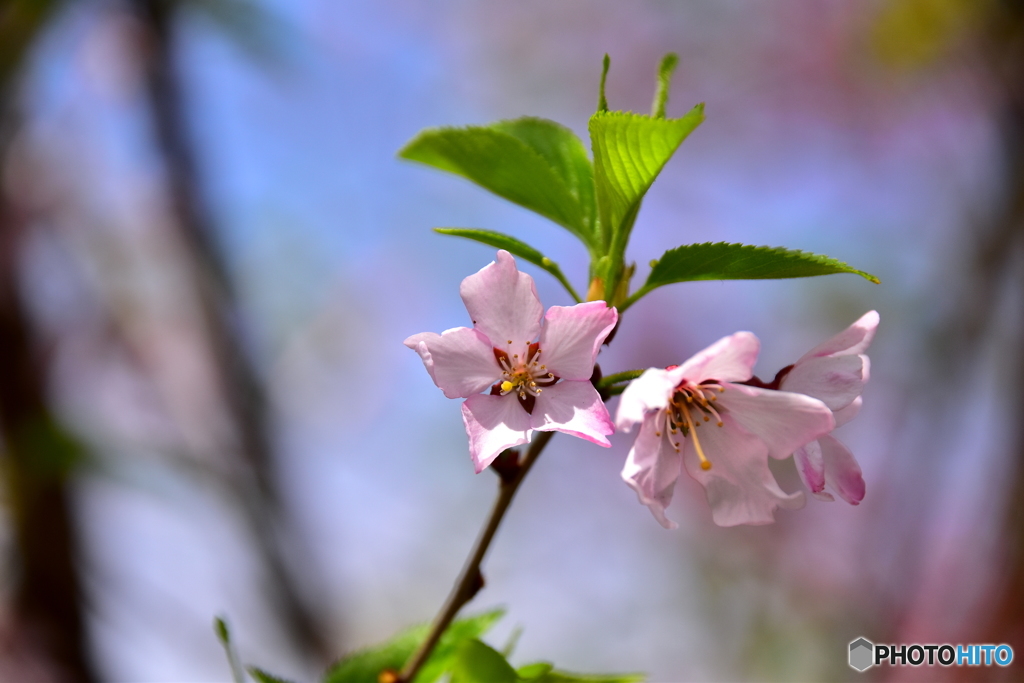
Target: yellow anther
[[506, 386], [705, 465]]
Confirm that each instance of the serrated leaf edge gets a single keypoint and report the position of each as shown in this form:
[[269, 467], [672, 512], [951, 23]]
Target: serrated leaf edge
[[782, 251]]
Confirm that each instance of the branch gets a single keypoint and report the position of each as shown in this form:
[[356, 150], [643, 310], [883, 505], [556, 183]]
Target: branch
[[471, 580]]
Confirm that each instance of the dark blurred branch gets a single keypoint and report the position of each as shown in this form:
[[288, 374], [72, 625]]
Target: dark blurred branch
[[986, 274], [48, 632], [993, 275], [241, 383], [20, 23], [1002, 259]]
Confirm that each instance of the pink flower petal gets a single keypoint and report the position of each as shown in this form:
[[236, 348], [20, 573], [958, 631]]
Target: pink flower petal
[[573, 335], [811, 469], [653, 467], [783, 420], [651, 391], [833, 380], [842, 473], [574, 408], [853, 340], [493, 424], [460, 361], [844, 415], [739, 486], [730, 359], [503, 304]]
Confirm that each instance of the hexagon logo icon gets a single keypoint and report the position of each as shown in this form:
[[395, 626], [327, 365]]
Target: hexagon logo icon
[[862, 654]]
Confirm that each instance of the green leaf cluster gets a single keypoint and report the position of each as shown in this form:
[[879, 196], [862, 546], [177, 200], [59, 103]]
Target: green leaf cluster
[[542, 166], [477, 662], [629, 152], [460, 655], [365, 666]]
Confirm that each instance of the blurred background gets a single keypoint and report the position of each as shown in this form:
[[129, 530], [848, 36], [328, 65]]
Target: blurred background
[[209, 258]]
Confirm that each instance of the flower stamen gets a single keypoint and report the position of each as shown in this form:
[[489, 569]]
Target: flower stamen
[[525, 378], [681, 415]]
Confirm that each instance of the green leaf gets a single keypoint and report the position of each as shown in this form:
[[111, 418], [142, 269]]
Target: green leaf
[[566, 155], [478, 662], [544, 672], [513, 640], [629, 152], [220, 627], [556, 676], [665, 69], [515, 247], [53, 452], [364, 666], [534, 672], [441, 660], [262, 676], [722, 261], [507, 166], [602, 101]]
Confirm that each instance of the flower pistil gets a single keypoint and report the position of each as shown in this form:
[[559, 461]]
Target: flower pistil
[[690, 405]]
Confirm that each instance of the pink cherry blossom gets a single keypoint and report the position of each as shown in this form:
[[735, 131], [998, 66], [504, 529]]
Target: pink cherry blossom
[[834, 372], [536, 384], [697, 416]]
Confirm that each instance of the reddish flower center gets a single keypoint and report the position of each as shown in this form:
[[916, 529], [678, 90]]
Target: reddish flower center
[[692, 405], [526, 377]]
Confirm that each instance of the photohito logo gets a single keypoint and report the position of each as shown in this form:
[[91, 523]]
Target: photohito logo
[[861, 654], [864, 654]]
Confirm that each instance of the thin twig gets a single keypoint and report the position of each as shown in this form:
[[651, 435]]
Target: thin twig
[[470, 580]]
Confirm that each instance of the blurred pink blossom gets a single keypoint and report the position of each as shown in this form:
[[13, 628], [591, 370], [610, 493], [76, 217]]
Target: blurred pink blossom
[[834, 372]]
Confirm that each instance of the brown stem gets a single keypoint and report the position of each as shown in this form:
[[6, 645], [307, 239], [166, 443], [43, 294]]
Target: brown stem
[[471, 580]]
